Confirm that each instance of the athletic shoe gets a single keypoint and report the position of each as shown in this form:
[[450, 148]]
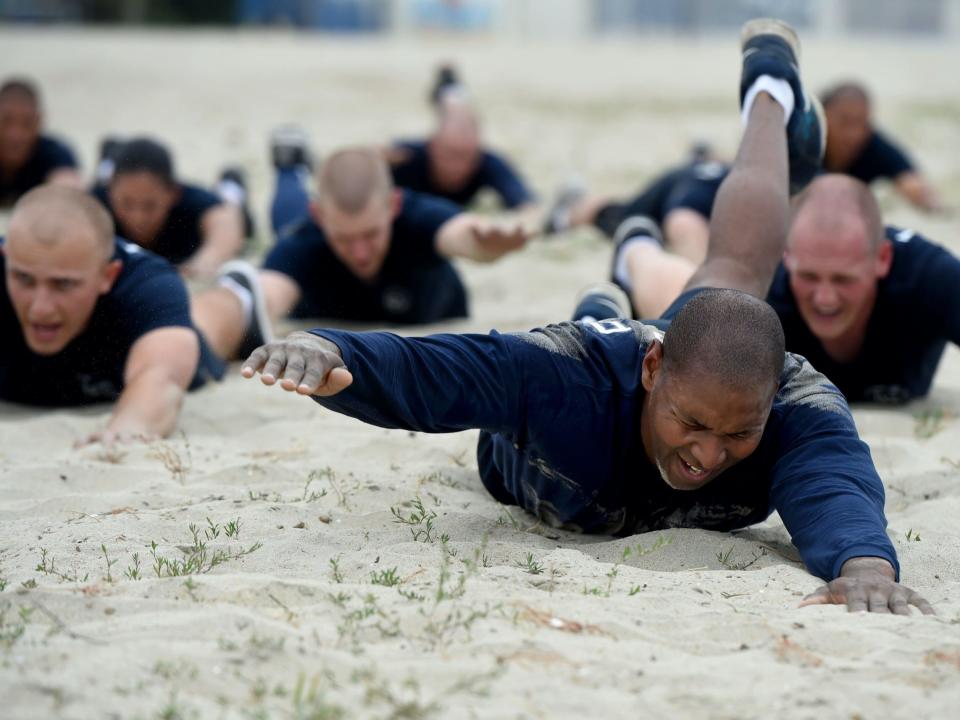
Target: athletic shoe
[[558, 216], [232, 188], [240, 276], [110, 147], [602, 301], [770, 47], [289, 148]]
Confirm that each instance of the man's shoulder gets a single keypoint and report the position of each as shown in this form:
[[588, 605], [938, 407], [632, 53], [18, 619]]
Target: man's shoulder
[[615, 339], [52, 149], [196, 199], [802, 386], [914, 256], [417, 207], [140, 266]]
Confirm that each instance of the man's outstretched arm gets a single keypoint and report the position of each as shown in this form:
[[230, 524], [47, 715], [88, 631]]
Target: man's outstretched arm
[[869, 584], [480, 239]]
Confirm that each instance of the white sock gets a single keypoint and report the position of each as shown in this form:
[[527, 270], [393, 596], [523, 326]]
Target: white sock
[[620, 272], [779, 90], [231, 192], [243, 295]]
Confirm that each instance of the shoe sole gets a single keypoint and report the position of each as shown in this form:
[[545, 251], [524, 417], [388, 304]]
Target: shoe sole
[[769, 26], [611, 291], [259, 301]]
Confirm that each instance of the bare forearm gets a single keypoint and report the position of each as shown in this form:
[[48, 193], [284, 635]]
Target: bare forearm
[[149, 406]]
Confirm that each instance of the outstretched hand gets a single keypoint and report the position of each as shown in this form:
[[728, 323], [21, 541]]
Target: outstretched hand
[[494, 239], [303, 363], [864, 585]]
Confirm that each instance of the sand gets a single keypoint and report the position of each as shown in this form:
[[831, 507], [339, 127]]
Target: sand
[[325, 590]]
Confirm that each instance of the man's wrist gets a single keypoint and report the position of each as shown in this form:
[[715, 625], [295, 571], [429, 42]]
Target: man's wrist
[[858, 566]]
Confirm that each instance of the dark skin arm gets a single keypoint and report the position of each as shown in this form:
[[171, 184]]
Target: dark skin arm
[[868, 584]]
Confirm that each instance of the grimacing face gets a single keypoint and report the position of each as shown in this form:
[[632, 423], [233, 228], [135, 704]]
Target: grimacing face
[[359, 240], [19, 130], [695, 427], [834, 278], [142, 201], [54, 288]]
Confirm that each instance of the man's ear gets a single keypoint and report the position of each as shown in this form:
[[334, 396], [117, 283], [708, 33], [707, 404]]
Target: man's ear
[[652, 365], [884, 259], [110, 274]]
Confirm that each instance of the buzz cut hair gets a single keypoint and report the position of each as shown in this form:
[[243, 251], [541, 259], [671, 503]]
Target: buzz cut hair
[[49, 212], [21, 87], [835, 198], [727, 336], [351, 178]]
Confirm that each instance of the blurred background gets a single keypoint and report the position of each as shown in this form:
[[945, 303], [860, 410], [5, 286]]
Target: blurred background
[[528, 18]]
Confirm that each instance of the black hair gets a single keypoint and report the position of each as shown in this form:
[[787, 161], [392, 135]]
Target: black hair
[[22, 87], [727, 335], [144, 155]]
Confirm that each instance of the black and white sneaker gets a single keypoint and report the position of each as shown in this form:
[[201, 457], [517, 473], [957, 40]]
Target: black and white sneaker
[[241, 278], [771, 47], [289, 148], [446, 79], [110, 148], [602, 301]]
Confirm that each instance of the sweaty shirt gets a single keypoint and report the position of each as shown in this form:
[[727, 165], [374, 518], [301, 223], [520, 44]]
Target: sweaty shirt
[[180, 236], [147, 295], [560, 410], [48, 155], [917, 312], [494, 172], [415, 284]]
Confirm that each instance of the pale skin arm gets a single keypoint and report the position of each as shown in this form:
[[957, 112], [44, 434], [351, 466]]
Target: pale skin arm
[[915, 188], [479, 239], [159, 368], [222, 230], [869, 584]]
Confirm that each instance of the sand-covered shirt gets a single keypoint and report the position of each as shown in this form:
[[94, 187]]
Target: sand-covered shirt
[[560, 410]]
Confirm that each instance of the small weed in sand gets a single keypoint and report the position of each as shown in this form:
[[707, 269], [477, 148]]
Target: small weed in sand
[[640, 551], [3, 583], [109, 563], [420, 520], [47, 566], [13, 630], [133, 569], [309, 495], [930, 421], [531, 565], [387, 578], [330, 475], [724, 558], [310, 704], [335, 569], [506, 518], [198, 558], [176, 465], [912, 536]]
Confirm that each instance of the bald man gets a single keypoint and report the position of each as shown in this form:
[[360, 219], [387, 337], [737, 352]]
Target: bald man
[[855, 147], [871, 307], [453, 164], [87, 318], [368, 252], [29, 158]]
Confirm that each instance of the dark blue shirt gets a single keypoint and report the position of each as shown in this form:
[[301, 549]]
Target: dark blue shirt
[[181, 235], [147, 295], [917, 312], [415, 285], [880, 158], [560, 411], [413, 173], [48, 155]]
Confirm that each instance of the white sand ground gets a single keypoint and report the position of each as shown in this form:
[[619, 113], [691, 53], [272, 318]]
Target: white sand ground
[[493, 616]]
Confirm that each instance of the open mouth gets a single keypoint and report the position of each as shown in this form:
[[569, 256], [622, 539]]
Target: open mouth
[[45, 332]]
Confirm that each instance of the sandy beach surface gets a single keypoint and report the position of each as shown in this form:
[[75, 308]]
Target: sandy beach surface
[[273, 560]]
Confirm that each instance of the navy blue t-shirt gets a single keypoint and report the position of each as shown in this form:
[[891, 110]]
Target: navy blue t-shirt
[[560, 411], [917, 312], [415, 284], [147, 295], [413, 173], [48, 155], [880, 158], [181, 235]]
